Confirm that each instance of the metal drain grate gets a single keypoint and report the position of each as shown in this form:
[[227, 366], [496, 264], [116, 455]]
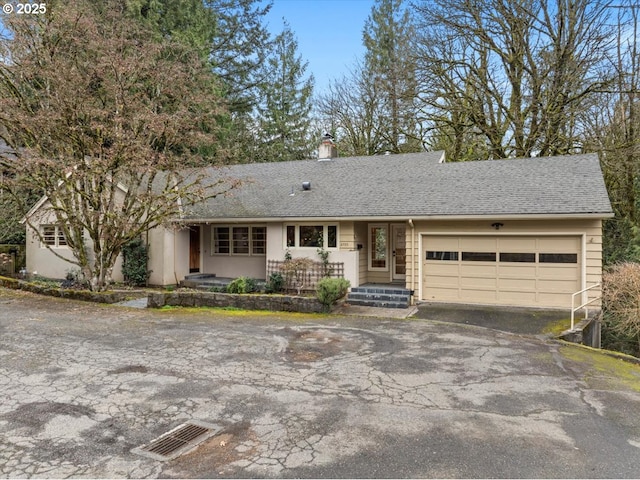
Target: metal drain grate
[[178, 441]]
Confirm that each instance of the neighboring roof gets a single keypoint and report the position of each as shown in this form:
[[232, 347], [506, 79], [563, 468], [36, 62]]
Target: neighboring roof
[[412, 186]]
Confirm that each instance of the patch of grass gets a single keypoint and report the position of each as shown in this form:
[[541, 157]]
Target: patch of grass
[[613, 370], [240, 312], [556, 327]]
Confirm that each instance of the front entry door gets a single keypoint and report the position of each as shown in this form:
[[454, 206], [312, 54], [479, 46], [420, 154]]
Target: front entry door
[[194, 249], [399, 252]]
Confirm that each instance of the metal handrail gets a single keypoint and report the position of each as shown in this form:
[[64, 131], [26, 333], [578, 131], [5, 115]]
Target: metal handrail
[[586, 310]]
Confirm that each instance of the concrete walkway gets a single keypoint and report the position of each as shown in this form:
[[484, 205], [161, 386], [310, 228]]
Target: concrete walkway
[[302, 396]]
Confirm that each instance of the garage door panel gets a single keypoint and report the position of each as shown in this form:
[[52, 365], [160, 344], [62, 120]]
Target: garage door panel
[[478, 244], [517, 244], [441, 268], [443, 243], [559, 244], [478, 295], [520, 279], [554, 299], [518, 298], [556, 272], [477, 269], [436, 293], [517, 284], [518, 271], [478, 283]]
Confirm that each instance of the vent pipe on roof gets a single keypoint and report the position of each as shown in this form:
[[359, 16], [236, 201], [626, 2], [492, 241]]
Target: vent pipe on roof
[[327, 149], [306, 186]]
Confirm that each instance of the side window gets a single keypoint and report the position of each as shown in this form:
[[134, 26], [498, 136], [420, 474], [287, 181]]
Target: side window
[[378, 247], [53, 236], [259, 240], [221, 240], [241, 240]]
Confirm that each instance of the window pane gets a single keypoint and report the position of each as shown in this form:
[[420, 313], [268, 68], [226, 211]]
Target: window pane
[[442, 256], [259, 240], [479, 256], [378, 247], [62, 240], [332, 236], [241, 240], [311, 235], [291, 236], [221, 240], [518, 257], [49, 234], [558, 258]]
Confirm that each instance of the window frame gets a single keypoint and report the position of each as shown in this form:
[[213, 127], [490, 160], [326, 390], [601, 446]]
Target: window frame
[[325, 235], [370, 266], [232, 240], [59, 239]]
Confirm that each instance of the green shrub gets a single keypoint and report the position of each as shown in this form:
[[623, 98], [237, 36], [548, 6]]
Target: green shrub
[[217, 289], [330, 290], [275, 284], [134, 265], [242, 285], [621, 308]]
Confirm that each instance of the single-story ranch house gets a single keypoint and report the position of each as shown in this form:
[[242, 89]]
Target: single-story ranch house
[[525, 232]]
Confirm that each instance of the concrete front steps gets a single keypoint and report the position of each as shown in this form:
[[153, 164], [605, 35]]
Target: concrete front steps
[[385, 296]]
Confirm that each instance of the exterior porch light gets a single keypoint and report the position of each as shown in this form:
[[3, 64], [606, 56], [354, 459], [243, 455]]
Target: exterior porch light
[[497, 225]]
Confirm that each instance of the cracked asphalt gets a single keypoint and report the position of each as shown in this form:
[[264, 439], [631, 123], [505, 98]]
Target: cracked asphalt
[[81, 385]]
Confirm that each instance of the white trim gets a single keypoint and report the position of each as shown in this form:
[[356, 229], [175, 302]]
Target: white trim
[[394, 276]]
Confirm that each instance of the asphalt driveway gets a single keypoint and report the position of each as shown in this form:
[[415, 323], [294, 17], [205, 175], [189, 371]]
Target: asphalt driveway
[[83, 385]]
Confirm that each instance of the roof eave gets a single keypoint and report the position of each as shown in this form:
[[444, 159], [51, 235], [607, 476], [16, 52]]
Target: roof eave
[[400, 218]]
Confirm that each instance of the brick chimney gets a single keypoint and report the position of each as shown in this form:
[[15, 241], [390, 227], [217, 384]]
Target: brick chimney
[[327, 149]]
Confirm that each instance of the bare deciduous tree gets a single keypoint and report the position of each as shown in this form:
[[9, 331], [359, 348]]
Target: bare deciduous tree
[[104, 121], [516, 74]]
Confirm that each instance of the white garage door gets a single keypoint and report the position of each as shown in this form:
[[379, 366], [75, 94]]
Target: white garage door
[[501, 270]]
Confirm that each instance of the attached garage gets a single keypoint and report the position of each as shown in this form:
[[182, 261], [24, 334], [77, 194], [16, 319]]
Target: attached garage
[[502, 269]]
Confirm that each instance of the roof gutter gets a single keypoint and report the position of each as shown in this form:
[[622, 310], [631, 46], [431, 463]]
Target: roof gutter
[[395, 218]]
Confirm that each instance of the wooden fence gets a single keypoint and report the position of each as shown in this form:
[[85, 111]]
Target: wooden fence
[[303, 274]]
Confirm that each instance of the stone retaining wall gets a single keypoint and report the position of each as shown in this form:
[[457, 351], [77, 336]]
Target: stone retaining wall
[[283, 303], [98, 297]]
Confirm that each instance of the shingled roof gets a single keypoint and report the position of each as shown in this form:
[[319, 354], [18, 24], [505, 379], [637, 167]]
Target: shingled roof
[[412, 186]]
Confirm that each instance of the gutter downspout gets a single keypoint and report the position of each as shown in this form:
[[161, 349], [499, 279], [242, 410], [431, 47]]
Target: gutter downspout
[[413, 261]]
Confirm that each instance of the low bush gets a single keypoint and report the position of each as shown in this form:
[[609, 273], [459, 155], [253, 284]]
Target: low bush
[[242, 285], [621, 308], [134, 265], [275, 283], [330, 290]]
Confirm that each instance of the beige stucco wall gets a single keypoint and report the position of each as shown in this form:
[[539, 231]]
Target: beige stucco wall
[[232, 266], [589, 229], [42, 261], [345, 253], [168, 255]]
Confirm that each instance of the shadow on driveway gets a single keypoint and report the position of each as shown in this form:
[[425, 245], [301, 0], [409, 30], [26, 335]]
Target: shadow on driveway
[[527, 321]]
